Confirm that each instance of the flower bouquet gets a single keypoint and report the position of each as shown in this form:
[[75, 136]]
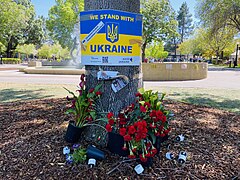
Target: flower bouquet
[[82, 108], [141, 123]]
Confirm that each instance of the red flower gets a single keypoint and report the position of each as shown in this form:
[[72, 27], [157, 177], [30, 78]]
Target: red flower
[[154, 151], [98, 93], [124, 148], [131, 130], [132, 106], [134, 150], [122, 122], [111, 122], [108, 128], [122, 131], [89, 118], [159, 113], [162, 135], [68, 98], [160, 128], [127, 137], [152, 125], [167, 131], [80, 92], [157, 134], [148, 154], [82, 77], [142, 109], [109, 115], [138, 94], [131, 156], [138, 137], [164, 119], [91, 90], [142, 158], [148, 144], [73, 103], [147, 104], [153, 113], [82, 84]]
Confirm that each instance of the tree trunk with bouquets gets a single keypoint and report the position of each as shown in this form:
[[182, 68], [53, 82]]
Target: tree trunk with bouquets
[[110, 101]]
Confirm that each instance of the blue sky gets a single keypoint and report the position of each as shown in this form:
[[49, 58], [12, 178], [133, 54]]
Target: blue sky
[[42, 6]]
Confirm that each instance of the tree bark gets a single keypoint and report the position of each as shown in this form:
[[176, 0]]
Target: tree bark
[[144, 45], [110, 101]]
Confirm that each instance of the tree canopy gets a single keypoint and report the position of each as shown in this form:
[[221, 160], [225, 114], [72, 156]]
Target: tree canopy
[[156, 50], [158, 21], [62, 18], [184, 19], [219, 13], [18, 25], [207, 44]]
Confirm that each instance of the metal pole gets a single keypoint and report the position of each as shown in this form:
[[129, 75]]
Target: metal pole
[[235, 62], [1, 62]]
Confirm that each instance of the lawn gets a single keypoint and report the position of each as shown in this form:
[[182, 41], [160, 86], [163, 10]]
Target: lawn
[[225, 99], [219, 98]]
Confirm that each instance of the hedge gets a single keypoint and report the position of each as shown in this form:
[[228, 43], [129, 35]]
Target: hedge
[[11, 60]]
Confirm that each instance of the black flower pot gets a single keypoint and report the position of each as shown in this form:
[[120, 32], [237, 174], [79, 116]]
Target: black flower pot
[[95, 153], [73, 133], [148, 163], [116, 143], [159, 141]]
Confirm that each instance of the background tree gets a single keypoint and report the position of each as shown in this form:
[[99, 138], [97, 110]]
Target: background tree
[[158, 21], [216, 42], [17, 24], [217, 14], [2, 48], [207, 44], [187, 47], [156, 50], [45, 51], [64, 21], [26, 49], [184, 19]]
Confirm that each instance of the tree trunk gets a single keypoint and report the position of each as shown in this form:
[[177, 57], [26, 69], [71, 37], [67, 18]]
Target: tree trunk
[[110, 101], [9, 48], [143, 50]]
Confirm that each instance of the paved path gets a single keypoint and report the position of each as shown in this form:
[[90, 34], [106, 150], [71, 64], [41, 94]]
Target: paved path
[[215, 80]]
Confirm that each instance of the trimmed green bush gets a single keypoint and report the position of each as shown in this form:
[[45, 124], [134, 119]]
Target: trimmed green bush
[[11, 60]]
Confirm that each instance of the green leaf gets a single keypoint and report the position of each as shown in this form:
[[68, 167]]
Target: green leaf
[[153, 137], [71, 111], [141, 102], [70, 92], [141, 90], [93, 114]]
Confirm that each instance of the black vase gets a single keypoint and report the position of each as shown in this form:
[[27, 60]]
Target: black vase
[[148, 163], [73, 133], [159, 141], [95, 153], [116, 143]]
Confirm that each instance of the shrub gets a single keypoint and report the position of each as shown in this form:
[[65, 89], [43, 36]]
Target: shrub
[[11, 60]]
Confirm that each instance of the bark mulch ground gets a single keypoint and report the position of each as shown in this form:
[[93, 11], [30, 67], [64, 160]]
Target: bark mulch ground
[[32, 140]]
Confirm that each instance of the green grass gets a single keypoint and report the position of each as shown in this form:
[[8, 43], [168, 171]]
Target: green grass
[[219, 98], [11, 92]]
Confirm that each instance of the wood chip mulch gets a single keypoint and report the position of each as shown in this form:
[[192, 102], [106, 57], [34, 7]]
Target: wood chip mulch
[[32, 139]]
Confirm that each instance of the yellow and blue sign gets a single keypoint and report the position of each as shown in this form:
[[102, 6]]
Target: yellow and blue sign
[[110, 37]]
